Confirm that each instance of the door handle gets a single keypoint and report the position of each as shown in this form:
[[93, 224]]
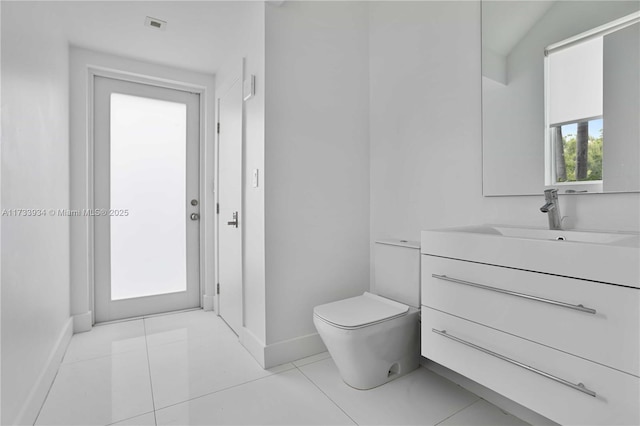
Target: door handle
[[234, 222], [195, 216]]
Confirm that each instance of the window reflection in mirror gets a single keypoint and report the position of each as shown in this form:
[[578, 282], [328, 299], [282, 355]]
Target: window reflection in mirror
[[574, 111], [574, 108], [578, 151], [518, 150]]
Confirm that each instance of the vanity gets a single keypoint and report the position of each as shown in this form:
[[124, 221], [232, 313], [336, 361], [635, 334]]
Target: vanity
[[548, 318]]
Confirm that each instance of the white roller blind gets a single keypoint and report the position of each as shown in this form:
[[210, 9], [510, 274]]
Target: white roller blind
[[575, 82]]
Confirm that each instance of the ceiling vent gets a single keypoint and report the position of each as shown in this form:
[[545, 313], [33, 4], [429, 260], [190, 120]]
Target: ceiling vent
[[158, 24]]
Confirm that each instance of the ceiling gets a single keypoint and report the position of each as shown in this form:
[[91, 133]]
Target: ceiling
[[199, 36], [505, 23], [202, 35]]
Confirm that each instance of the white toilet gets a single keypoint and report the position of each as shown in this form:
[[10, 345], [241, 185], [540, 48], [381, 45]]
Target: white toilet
[[375, 338]]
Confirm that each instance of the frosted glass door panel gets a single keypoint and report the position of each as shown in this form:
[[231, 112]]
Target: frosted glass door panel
[[148, 184]]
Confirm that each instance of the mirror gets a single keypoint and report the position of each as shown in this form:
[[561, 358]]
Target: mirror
[[520, 156]]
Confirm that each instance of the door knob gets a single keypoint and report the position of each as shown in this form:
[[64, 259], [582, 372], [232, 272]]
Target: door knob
[[234, 222], [195, 216]]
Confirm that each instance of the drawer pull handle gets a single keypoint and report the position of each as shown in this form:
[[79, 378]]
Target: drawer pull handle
[[579, 387], [580, 308]]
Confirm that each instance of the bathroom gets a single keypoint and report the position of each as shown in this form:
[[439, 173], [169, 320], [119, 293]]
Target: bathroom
[[365, 123]]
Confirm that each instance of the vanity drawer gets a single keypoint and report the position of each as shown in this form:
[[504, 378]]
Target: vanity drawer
[[611, 336], [617, 394]]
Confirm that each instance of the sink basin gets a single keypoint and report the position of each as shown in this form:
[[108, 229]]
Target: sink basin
[[592, 237], [610, 257]]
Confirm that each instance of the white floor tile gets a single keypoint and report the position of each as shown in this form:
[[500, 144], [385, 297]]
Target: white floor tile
[[482, 413], [105, 340], [201, 374], [190, 325], [148, 419], [187, 369], [420, 397], [282, 399], [99, 391], [311, 359]]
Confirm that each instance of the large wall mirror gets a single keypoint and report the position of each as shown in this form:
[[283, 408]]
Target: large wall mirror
[[560, 96]]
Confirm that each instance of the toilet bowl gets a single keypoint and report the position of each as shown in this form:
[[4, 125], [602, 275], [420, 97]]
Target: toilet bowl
[[375, 338], [373, 345]]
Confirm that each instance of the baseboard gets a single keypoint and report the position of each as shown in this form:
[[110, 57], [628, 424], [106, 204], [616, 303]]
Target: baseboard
[[38, 394], [293, 349], [207, 302], [82, 322], [489, 395], [254, 345], [282, 352]]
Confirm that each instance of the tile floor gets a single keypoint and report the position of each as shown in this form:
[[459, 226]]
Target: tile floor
[[189, 369]]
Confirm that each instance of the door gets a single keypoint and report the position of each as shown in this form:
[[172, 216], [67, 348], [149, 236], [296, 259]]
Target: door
[[146, 227], [230, 221]]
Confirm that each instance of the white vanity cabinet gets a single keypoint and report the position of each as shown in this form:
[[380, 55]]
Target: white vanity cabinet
[[566, 348]]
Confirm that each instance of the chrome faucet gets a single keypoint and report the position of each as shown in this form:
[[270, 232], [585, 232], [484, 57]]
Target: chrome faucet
[[552, 208]]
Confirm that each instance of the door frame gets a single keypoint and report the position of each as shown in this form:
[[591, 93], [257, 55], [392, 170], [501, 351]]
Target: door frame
[[95, 71], [239, 78]]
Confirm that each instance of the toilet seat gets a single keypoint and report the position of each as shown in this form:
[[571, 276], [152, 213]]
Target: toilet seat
[[360, 311]]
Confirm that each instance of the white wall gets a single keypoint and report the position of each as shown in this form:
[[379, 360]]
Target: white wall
[[425, 127], [622, 108], [251, 50], [35, 174], [425, 116], [407, 98], [316, 166], [254, 198]]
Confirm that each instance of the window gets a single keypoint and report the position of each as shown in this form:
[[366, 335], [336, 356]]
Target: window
[[575, 131], [578, 151]]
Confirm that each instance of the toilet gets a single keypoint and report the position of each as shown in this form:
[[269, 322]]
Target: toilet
[[375, 338]]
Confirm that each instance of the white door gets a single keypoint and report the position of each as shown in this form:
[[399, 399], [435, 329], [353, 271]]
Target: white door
[[146, 227], [230, 221]]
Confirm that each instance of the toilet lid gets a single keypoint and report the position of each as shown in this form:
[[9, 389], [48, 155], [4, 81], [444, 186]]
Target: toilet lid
[[360, 311]]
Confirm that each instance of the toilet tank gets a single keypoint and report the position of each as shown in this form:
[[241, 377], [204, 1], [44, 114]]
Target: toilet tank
[[397, 271]]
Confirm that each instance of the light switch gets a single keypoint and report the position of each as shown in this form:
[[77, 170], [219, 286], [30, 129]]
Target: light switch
[[254, 178]]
